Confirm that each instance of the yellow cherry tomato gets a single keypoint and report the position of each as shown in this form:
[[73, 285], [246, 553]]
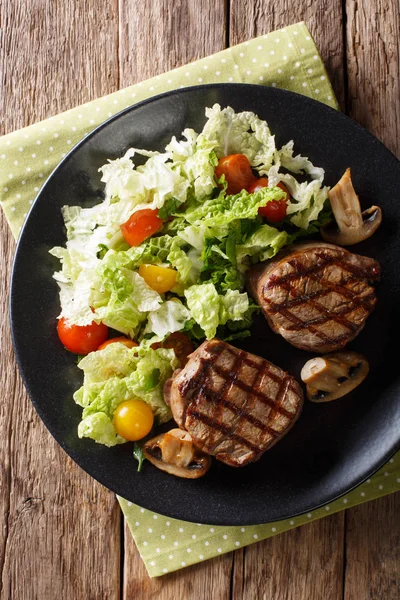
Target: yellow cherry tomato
[[133, 419], [160, 279]]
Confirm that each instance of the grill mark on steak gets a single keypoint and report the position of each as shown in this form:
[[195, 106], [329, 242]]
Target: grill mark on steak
[[283, 390], [327, 314], [249, 389], [222, 392], [219, 399], [326, 260], [240, 412], [230, 377], [212, 423], [247, 361], [299, 325], [329, 287], [289, 280], [339, 288], [261, 373]]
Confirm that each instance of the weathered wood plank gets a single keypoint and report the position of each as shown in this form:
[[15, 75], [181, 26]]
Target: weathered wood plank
[[373, 550], [60, 530], [55, 55], [155, 38], [323, 18], [306, 562], [210, 579], [11, 388], [373, 66], [75, 59]]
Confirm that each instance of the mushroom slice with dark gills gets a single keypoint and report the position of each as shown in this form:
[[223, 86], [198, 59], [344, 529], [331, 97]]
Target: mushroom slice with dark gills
[[352, 226], [333, 375], [316, 295], [234, 404], [175, 453]]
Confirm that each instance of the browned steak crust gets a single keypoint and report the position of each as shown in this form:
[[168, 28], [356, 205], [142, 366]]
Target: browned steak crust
[[316, 295], [234, 404]]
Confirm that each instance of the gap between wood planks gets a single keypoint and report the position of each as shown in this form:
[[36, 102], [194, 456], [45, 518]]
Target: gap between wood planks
[[369, 90], [236, 571]]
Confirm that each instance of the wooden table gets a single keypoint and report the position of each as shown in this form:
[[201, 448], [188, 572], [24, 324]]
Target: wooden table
[[62, 536]]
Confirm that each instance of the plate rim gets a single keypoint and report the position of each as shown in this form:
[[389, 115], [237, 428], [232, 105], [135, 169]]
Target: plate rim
[[42, 414]]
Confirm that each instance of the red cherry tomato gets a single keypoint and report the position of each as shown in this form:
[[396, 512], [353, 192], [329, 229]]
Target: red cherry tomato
[[180, 343], [275, 210], [81, 339], [237, 171], [122, 340], [141, 225]]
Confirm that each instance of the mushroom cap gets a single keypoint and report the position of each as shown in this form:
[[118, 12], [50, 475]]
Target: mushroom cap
[[351, 225], [175, 453], [371, 219], [334, 375]]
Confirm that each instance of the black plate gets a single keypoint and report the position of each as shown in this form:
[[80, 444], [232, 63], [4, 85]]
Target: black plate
[[334, 446]]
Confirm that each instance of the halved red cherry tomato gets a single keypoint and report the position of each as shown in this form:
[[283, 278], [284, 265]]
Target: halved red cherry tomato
[[122, 340], [237, 171], [180, 343], [81, 339], [275, 210], [141, 225]]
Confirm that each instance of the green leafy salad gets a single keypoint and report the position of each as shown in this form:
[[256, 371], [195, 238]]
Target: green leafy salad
[[167, 251]]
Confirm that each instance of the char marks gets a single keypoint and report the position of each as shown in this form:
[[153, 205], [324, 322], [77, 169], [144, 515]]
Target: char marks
[[236, 404], [319, 289]]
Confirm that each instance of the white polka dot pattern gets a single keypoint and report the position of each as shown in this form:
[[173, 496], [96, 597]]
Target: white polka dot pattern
[[50, 141], [208, 541], [286, 59]]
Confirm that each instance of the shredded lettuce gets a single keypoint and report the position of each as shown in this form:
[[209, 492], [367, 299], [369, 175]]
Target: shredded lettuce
[[239, 133], [116, 374], [261, 245], [220, 212], [170, 317], [121, 299], [210, 309], [208, 236]]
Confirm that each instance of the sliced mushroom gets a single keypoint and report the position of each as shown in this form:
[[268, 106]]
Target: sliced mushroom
[[333, 375], [352, 225], [175, 453]]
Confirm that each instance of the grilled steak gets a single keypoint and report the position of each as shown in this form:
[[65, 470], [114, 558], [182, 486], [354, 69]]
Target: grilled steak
[[235, 405], [316, 295]]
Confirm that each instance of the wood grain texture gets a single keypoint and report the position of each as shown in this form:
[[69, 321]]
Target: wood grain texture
[[373, 550], [210, 579], [373, 99], [373, 65], [304, 563], [60, 530], [154, 39], [55, 55], [156, 36], [323, 18]]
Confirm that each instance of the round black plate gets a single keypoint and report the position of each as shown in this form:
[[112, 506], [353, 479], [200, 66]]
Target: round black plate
[[334, 446]]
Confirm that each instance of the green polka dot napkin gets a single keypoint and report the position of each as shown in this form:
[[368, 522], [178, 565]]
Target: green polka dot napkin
[[287, 58], [167, 544]]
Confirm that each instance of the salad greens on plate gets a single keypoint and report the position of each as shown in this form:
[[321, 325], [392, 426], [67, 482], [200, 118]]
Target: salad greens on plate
[[167, 251]]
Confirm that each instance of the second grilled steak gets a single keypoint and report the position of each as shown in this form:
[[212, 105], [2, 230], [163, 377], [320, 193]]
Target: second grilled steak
[[316, 295], [234, 404]]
